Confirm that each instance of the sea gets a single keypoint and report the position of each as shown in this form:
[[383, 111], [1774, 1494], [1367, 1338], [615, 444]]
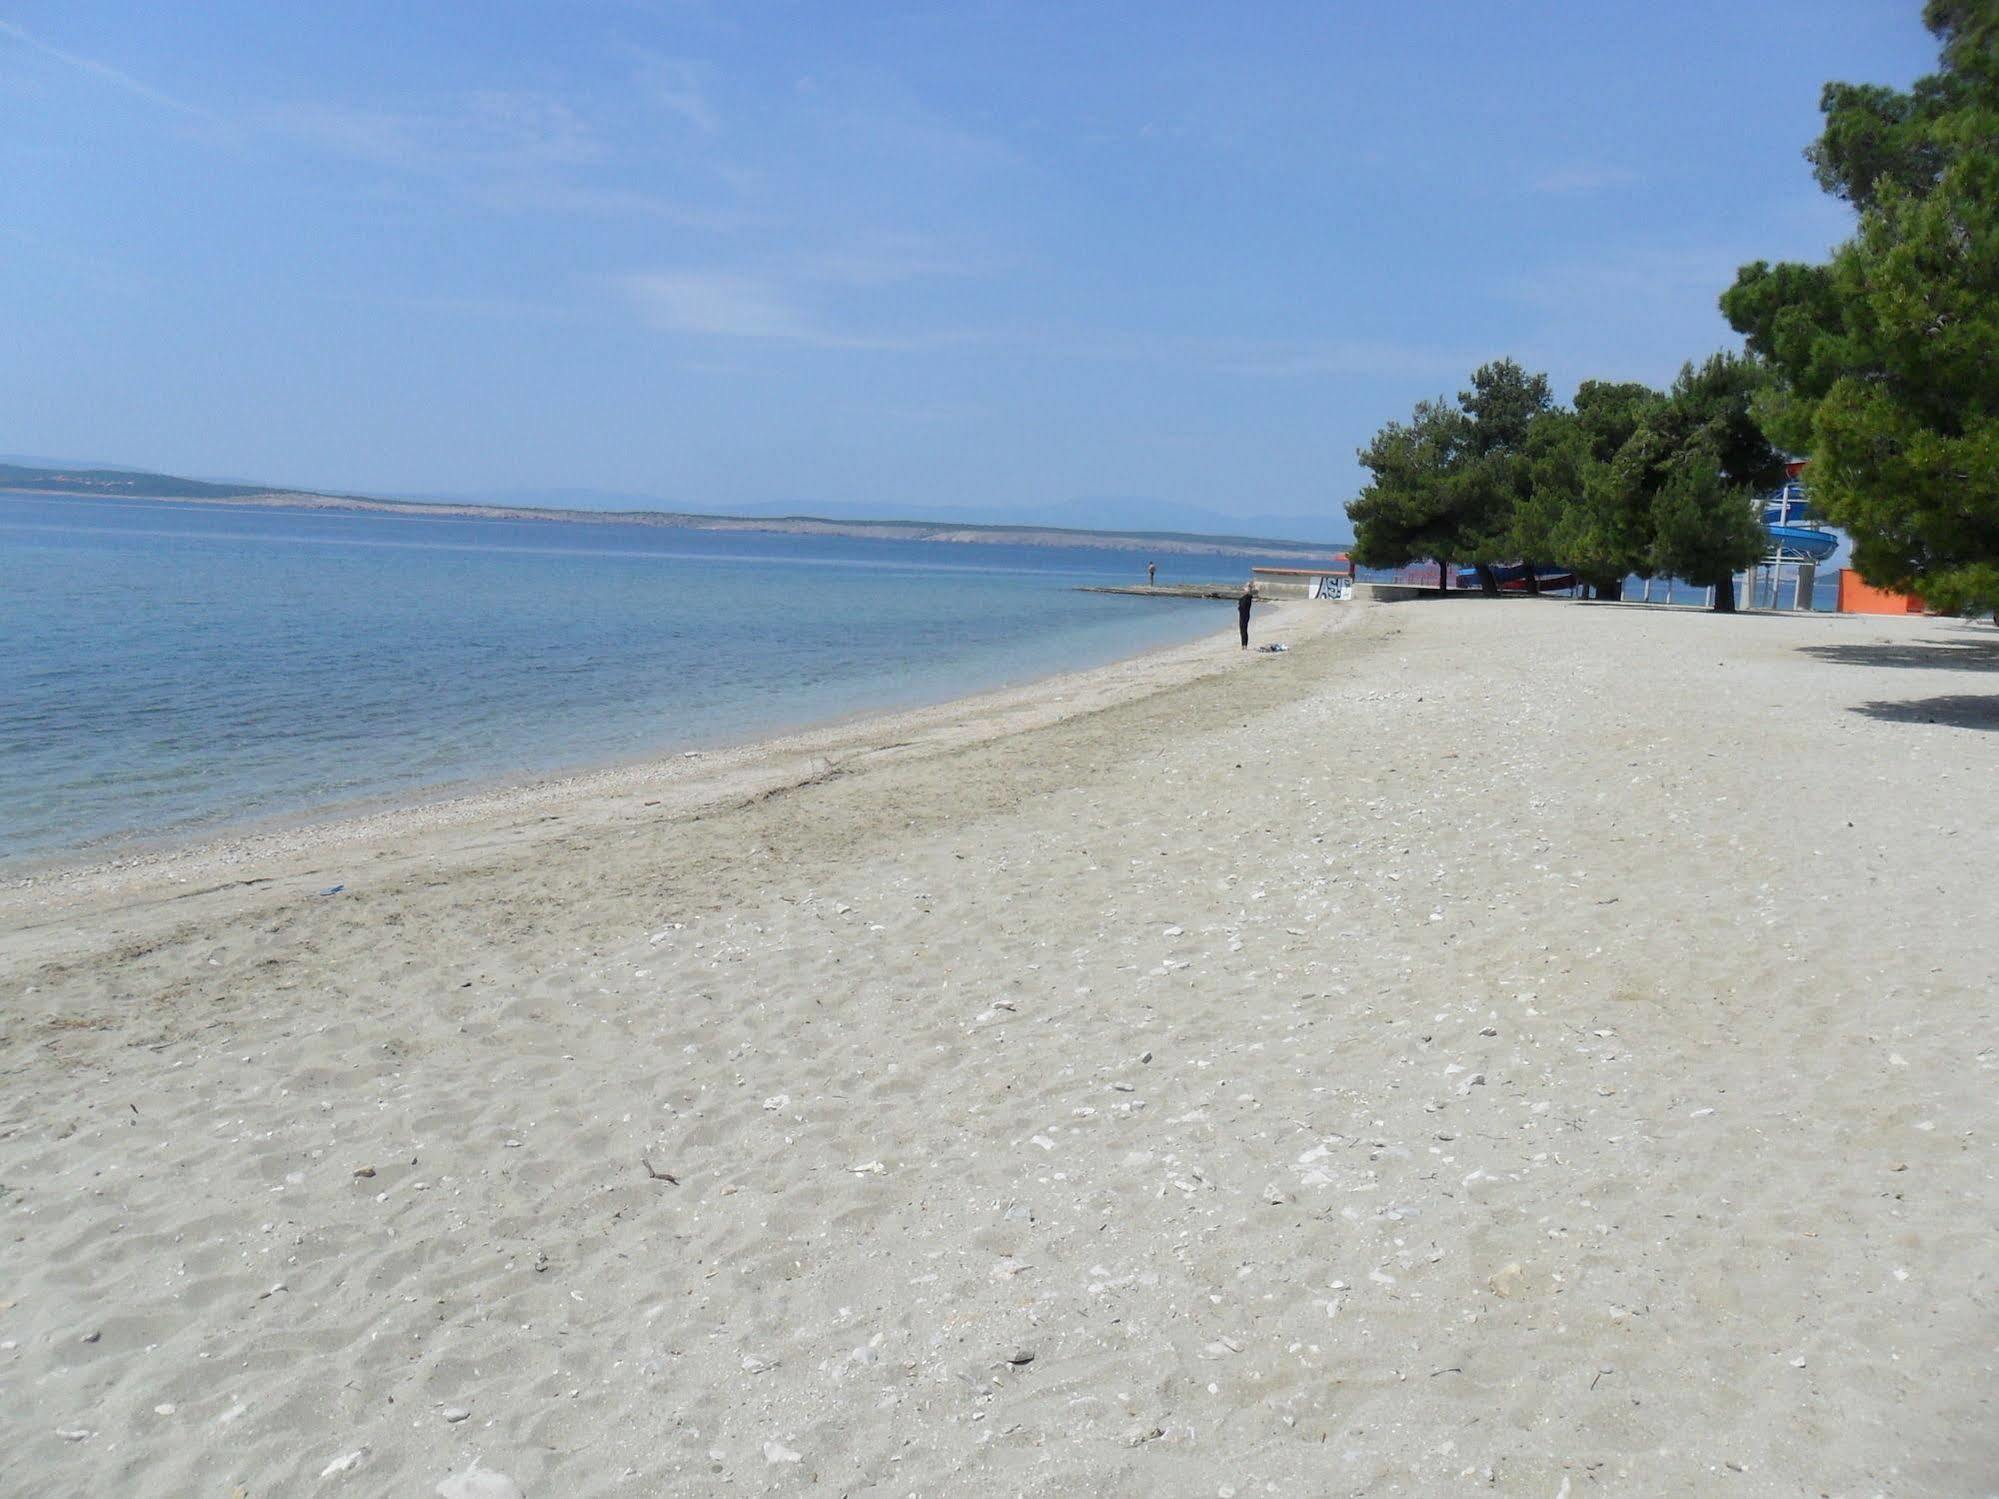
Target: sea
[[169, 670]]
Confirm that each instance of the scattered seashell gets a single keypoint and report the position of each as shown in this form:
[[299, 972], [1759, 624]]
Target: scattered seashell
[[479, 1483], [345, 1463]]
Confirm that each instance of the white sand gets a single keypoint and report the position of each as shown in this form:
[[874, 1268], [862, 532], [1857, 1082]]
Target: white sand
[[1572, 1071]]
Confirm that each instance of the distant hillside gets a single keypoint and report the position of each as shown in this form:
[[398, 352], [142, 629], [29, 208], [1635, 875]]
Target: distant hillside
[[127, 483], [117, 483]]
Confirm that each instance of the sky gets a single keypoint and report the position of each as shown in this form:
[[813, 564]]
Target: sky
[[1020, 258]]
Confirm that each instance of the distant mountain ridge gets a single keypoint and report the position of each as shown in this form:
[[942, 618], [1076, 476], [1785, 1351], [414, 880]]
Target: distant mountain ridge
[[1187, 528]]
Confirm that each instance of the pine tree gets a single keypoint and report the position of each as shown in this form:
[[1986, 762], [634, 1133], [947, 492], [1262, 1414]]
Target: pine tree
[[1695, 465], [1889, 352], [1447, 483], [1576, 513]]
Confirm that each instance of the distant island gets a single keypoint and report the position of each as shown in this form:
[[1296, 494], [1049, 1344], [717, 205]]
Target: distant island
[[133, 484]]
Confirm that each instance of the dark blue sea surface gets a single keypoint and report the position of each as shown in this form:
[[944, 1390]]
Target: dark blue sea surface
[[169, 669]]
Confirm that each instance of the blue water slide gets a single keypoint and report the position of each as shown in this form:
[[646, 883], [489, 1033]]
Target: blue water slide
[[1788, 521], [1803, 540]]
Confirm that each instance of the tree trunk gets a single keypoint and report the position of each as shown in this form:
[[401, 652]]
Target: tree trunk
[[1533, 582], [1487, 583], [1443, 576], [1724, 594]]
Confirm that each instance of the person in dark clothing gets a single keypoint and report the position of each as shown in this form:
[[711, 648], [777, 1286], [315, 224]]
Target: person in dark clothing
[[1242, 611], [1151, 573]]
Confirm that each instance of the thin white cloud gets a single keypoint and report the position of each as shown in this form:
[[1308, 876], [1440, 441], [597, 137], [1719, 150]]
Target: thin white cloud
[[875, 120], [1336, 357], [1246, 356], [511, 152], [489, 129], [1642, 280], [763, 308], [885, 260], [717, 305], [552, 195], [1627, 313], [674, 83], [497, 309], [1639, 310], [1577, 180], [731, 305], [116, 77]]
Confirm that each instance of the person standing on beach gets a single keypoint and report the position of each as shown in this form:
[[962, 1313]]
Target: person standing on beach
[[1151, 573], [1242, 611]]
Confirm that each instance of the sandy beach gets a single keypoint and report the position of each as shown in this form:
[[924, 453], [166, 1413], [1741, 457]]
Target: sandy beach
[[1492, 1047]]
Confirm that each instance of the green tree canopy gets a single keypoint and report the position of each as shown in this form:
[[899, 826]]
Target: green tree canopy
[[1447, 482], [1694, 466], [1703, 527], [1574, 511], [1502, 404], [1408, 510], [1889, 352]]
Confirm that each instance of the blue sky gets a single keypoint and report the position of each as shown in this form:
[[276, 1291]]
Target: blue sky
[[1011, 257]]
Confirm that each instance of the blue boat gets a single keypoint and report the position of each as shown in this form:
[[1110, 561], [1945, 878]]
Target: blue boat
[[1512, 577]]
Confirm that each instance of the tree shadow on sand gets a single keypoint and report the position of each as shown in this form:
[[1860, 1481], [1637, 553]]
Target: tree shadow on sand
[[1962, 711], [1924, 655]]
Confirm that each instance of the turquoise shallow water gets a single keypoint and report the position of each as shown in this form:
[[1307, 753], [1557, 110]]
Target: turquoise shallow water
[[167, 670]]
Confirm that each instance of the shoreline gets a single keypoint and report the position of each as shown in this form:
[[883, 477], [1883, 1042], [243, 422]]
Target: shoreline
[[127, 850], [684, 778]]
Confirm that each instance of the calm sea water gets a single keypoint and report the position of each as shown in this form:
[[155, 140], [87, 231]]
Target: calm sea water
[[166, 669]]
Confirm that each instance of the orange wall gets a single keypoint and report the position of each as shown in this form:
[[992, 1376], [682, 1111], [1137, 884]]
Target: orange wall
[[1859, 597]]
